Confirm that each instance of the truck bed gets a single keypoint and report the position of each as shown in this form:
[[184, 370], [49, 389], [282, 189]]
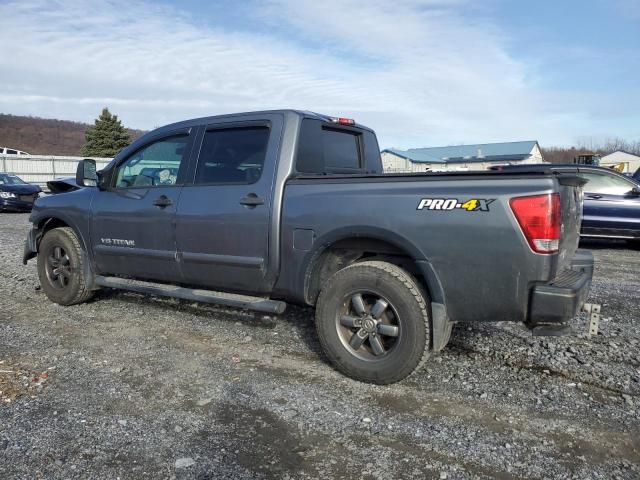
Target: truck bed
[[446, 243]]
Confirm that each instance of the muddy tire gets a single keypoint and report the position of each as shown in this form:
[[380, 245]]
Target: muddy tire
[[61, 267], [373, 322]]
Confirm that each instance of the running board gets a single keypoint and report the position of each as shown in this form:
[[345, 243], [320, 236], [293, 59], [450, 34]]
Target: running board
[[258, 304]]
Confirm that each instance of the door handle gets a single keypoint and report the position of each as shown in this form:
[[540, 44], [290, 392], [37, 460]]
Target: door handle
[[162, 201], [251, 200], [594, 196]]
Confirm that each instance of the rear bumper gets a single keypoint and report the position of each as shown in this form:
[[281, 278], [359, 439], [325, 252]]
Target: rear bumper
[[583, 261], [561, 299]]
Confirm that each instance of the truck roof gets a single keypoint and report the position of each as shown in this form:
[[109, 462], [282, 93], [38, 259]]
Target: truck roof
[[286, 111]]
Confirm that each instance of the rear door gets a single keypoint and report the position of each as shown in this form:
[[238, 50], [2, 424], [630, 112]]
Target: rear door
[[132, 223], [224, 215], [610, 206]]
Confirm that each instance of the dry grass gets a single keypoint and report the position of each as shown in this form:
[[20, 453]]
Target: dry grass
[[16, 382]]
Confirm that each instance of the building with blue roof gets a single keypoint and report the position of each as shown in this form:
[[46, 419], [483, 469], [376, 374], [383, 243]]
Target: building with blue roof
[[461, 157]]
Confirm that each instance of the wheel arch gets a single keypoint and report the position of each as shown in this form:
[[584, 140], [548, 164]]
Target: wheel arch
[[48, 222], [343, 247]]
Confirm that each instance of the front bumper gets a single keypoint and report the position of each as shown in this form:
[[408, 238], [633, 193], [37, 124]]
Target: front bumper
[[561, 299], [15, 205]]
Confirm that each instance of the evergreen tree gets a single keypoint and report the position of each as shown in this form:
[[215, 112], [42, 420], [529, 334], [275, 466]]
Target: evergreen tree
[[107, 137]]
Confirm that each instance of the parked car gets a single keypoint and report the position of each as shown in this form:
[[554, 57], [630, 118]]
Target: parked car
[[11, 151], [611, 200], [16, 195], [257, 209]]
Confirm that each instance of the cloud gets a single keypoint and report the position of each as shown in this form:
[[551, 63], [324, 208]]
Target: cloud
[[419, 72]]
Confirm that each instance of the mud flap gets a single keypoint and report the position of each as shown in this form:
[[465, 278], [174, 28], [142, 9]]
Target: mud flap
[[440, 326], [30, 246]]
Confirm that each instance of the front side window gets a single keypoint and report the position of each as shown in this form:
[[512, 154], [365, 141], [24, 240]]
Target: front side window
[[606, 184], [232, 155], [157, 164]]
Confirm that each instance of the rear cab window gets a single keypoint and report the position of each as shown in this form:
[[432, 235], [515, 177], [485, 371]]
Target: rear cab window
[[341, 149], [325, 148]]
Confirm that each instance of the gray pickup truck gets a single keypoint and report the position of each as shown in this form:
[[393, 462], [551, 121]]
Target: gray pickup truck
[[257, 209]]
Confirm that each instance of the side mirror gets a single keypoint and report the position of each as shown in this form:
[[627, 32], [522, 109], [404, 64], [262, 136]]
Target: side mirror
[[635, 191], [86, 175]]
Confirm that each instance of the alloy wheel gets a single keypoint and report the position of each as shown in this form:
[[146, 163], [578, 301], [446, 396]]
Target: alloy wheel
[[58, 267], [368, 325]]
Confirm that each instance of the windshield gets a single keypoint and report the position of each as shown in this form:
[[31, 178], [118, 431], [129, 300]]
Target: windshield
[[10, 180]]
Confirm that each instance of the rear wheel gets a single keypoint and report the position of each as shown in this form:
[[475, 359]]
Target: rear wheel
[[373, 322], [61, 267]]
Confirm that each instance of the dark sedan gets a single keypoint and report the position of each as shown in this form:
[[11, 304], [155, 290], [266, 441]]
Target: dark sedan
[[16, 195], [611, 200], [611, 204]]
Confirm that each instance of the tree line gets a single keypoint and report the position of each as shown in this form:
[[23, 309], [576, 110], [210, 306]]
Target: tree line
[[43, 136], [602, 148], [107, 136]]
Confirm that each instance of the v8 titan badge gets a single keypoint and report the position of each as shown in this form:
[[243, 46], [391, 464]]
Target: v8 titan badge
[[471, 205]]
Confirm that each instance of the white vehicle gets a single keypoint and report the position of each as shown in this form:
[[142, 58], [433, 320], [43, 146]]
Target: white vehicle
[[11, 151]]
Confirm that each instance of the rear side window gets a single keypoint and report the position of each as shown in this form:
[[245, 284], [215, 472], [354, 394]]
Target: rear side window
[[232, 155], [607, 184]]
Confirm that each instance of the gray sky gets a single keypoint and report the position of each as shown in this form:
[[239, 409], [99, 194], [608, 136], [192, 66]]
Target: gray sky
[[420, 72]]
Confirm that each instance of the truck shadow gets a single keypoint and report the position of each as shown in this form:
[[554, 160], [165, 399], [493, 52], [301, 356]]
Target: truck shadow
[[299, 318]]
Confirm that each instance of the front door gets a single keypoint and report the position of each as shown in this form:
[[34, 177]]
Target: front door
[[223, 218], [132, 224], [610, 206]]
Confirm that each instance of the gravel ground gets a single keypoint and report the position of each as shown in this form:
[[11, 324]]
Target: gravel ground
[[138, 387]]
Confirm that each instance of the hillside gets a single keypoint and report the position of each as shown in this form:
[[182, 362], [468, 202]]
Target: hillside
[[43, 136]]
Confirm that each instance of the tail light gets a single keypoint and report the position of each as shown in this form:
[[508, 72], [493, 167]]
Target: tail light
[[539, 218]]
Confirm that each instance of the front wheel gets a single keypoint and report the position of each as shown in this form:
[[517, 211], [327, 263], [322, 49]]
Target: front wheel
[[373, 322], [61, 267]]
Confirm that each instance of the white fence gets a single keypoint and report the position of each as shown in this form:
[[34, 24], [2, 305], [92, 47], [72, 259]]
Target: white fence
[[39, 169]]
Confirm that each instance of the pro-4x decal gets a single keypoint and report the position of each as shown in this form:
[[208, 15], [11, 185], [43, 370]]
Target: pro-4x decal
[[471, 205]]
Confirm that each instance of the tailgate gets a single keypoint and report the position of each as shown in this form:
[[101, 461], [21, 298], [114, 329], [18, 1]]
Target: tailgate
[[570, 187]]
